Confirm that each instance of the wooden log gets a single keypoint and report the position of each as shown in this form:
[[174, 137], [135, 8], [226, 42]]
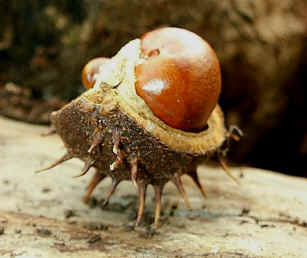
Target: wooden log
[[42, 215]]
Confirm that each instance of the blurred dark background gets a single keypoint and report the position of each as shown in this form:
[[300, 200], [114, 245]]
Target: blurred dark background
[[261, 45]]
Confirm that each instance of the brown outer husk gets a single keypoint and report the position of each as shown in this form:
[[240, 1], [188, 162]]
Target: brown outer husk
[[80, 122], [113, 107]]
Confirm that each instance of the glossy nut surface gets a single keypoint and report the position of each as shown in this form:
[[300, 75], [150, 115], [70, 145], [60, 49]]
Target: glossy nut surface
[[179, 77], [90, 69]]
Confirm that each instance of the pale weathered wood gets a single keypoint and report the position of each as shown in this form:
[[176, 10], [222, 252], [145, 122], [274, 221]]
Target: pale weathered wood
[[42, 215]]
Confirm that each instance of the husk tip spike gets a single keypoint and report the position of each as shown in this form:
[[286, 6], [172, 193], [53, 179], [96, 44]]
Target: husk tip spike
[[142, 195], [226, 169], [111, 192], [158, 196], [88, 164], [96, 179], [193, 174], [178, 183], [65, 157]]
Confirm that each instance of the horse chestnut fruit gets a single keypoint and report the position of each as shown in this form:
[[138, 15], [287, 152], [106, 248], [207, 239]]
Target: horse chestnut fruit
[[150, 115]]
